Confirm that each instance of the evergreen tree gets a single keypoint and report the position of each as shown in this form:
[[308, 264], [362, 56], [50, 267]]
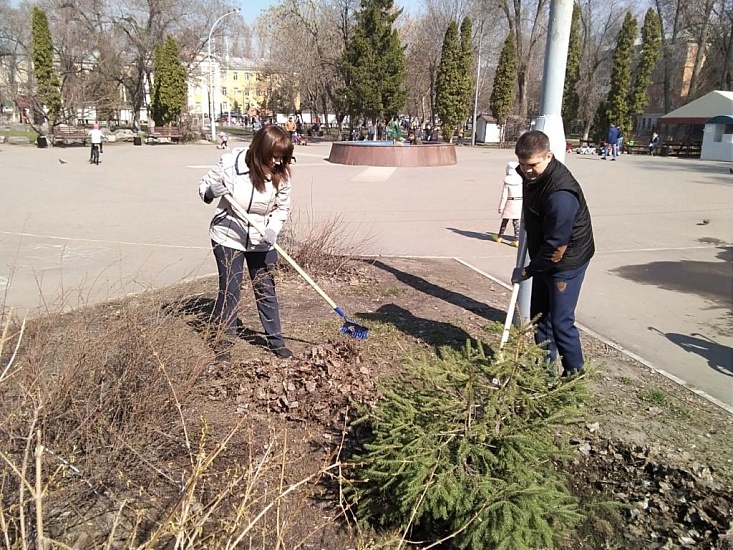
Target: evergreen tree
[[505, 80], [464, 445], [617, 101], [599, 126], [373, 63], [651, 39], [466, 67], [570, 97], [170, 89], [47, 81], [449, 81]]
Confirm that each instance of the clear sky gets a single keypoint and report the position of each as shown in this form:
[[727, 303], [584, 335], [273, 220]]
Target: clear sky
[[252, 8]]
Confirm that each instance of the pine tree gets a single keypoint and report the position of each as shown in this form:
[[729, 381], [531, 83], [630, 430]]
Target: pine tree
[[651, 39], [464, 444], [505, 81], [47, 81], [449, 83], [373, 63], [570, 97], [466, 68], [617, 101], [170, 90]]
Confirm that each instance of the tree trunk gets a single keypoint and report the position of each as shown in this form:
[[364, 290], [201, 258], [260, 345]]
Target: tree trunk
[[702, 42]]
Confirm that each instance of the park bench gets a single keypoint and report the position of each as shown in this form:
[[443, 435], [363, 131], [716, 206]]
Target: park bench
[[171, 133], [636, 149], [70, 133], [690, 149]]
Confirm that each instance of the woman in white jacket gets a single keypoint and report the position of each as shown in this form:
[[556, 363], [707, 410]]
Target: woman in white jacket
[[258, 180], [510, 205]]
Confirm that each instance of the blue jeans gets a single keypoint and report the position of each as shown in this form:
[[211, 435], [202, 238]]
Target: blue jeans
[[554, 298], [230, 264]]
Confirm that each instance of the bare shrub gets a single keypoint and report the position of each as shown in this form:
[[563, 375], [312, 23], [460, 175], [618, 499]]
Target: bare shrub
[[321, 247], [106, 400]]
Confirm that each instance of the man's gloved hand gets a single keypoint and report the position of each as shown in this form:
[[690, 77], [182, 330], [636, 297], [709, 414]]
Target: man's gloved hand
[[218, 189], [518, 275], [270, 236]]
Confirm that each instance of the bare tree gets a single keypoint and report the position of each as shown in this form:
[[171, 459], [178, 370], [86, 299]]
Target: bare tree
[[14, 55], [599, 23], [527, 20]]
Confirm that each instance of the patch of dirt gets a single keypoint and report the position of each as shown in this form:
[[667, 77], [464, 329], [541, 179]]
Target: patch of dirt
[[655, 447], [653, 465]]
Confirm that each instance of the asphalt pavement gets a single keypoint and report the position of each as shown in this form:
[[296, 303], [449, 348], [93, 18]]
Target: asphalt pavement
[[660, 286]]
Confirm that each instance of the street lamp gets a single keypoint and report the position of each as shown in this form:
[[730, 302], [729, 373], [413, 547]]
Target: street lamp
[[212, 105]]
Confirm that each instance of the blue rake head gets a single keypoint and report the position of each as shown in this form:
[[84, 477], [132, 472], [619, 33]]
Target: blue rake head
[[355, 330], [351, 327]]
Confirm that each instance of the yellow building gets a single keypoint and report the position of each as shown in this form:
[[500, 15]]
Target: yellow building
[[243, 87]]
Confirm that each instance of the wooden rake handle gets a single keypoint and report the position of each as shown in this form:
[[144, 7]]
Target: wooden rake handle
[[239, 211]]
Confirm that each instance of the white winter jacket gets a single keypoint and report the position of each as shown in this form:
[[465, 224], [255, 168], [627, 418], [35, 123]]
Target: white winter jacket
[[510, 206], [268, 209]]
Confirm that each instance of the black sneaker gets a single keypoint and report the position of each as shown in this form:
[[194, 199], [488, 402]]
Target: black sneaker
[[282, 353]]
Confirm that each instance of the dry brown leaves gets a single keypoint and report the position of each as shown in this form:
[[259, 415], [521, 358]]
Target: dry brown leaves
[[321, 385], [668, 507]]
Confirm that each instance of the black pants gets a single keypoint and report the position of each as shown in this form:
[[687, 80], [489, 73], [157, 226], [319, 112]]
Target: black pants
[[504, 223], [230, 264]]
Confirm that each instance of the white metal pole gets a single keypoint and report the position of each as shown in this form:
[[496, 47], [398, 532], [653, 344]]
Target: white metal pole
[[550, 119], [212, 106]]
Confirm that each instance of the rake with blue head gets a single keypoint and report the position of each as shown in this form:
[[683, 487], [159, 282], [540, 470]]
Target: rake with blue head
[[350, 327]]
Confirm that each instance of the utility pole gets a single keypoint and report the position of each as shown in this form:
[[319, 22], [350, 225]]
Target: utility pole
[[475, 97], [550, 119], [212, 106]]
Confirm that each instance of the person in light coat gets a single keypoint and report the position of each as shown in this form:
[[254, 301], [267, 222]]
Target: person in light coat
[[258, 180], [510, 205]]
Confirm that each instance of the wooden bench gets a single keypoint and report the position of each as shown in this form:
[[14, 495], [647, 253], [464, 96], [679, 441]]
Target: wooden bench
[[690, 149], [70, 133], [636, 149], [171, 133]]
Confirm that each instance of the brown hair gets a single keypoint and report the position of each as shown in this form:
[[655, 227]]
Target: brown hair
[[532, 143], [269, 141]]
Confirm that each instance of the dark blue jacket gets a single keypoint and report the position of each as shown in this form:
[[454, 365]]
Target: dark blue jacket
[[613, 134], [557, 221]]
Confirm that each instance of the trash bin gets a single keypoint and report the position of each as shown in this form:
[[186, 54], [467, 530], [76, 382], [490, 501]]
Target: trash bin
[[137, 140], [664, 150], [42, 142]]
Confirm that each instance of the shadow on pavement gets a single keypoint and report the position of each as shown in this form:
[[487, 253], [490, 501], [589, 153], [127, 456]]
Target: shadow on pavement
[[449, 296], [471, 234], [718, 356], [709, 280], [709, 168]]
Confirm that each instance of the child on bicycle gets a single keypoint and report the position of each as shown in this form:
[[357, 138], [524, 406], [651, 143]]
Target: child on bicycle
[[223, 141], [510, 205]]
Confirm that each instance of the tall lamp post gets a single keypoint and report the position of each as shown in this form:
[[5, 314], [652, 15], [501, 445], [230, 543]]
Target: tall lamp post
[[212, 105]]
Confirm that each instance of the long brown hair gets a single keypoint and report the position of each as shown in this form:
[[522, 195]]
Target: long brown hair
[[269, 141]]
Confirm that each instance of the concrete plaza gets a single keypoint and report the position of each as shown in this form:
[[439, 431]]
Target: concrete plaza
[[661, 284]]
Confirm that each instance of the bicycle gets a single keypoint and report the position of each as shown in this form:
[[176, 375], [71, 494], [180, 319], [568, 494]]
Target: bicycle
[[95, 154]]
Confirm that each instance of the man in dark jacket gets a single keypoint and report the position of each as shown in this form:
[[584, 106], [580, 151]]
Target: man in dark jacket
[[612, 142], [560, 244]]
